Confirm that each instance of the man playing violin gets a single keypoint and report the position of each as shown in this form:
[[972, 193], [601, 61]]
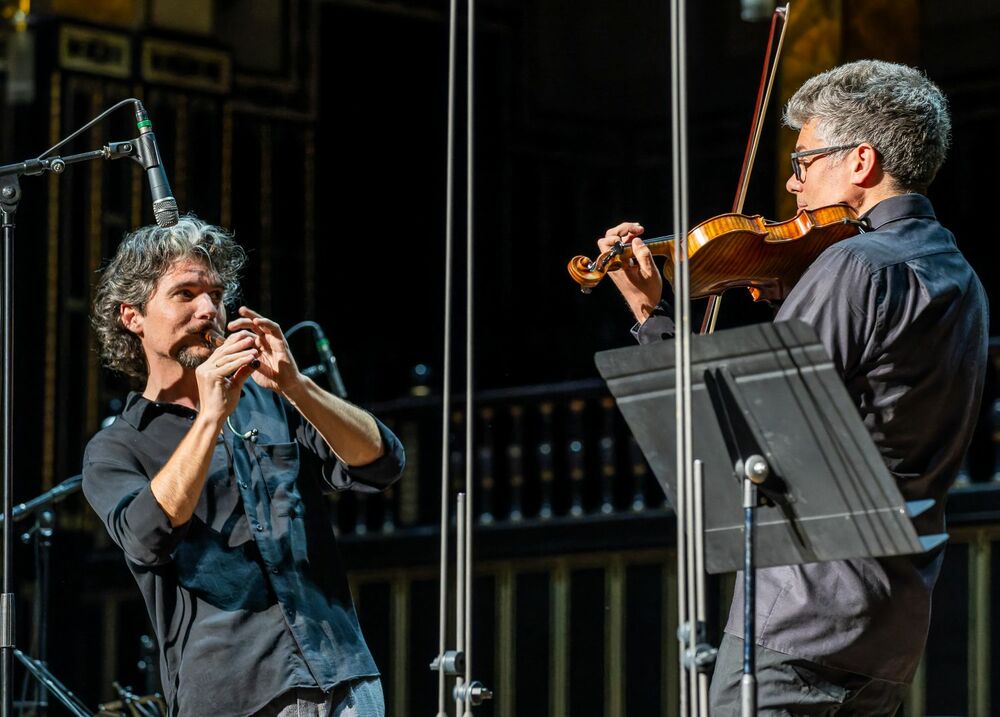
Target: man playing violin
[[211, 482], [904, 318]]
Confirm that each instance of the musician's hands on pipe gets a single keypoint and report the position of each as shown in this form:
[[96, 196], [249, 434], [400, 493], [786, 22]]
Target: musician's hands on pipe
[[277, 370], [639, 279], [222, 375]]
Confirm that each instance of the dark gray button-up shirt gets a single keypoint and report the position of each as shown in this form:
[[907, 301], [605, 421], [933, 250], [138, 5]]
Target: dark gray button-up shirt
[[248, 598], [904, 318]]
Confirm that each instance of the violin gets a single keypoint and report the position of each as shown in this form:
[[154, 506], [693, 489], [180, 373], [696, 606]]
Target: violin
[[733, 250], [737, 250]]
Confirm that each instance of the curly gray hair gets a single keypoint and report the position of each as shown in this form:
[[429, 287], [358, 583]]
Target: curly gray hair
[[131, 276], [895, 108]]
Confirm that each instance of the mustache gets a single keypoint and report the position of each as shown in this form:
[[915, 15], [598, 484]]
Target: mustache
[[203, 328]]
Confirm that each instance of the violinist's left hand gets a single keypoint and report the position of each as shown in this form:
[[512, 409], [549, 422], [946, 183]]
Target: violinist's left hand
[[278, 370], [639, 280]]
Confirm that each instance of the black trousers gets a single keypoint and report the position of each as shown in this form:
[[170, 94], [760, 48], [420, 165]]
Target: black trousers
[[788, 685]]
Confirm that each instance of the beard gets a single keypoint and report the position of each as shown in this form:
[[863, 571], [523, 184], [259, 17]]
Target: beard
[[192, 356]]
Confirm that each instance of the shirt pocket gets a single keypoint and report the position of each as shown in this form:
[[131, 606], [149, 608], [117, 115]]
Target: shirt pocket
[[279, 466]]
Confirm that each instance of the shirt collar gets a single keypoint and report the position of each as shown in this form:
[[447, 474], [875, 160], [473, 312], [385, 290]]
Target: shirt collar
[[139, 410], [901, 206]]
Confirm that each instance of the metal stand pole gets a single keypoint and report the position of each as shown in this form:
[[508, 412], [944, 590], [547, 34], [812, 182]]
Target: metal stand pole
[[748, 686], [467, 693], [704, 654], [682, 319], [755, 472], [444, 663], [696, 653], [460, 598], [10, 193], [690, 583]]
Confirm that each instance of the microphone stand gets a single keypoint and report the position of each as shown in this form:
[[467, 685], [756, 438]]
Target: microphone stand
[[42, 531], [10, 197], [328, 362], [10, 194], [65, 489]]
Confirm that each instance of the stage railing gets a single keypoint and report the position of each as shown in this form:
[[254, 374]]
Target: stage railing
[[575, 576]]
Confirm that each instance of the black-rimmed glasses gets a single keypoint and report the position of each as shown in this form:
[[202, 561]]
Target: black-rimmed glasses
[[799, 170]]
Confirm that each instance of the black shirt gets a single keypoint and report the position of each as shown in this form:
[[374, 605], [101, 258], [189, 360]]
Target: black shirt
[[904, 318], [248, 598]]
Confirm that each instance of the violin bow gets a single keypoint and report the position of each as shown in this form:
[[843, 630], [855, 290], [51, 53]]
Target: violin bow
[[768, 73]]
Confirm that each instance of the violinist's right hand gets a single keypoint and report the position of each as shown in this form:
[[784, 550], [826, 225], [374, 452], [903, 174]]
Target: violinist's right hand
[[639, 280]]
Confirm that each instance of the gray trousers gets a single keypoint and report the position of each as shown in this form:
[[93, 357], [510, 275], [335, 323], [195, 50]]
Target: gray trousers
[[788, 685], [360, 698]]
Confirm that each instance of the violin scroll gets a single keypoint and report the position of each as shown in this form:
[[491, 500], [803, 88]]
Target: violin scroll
[[588, 274], [584, 272]]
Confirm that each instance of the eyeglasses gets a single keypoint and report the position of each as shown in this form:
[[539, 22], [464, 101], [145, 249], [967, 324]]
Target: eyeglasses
[[799, 169]]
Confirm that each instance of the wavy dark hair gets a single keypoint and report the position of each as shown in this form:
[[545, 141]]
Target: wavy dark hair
[[131, 276], [895, 108]]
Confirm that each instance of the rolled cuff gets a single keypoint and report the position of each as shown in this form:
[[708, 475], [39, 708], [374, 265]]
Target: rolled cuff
[[372, 477], [143, 530], [658, 327]]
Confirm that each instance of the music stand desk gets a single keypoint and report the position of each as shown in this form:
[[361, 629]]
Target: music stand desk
[[769, 389]]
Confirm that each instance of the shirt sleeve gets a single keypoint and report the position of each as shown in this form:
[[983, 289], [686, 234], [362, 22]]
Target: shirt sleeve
[[659, 326], [373, 477], [837, 296], [121, 497]]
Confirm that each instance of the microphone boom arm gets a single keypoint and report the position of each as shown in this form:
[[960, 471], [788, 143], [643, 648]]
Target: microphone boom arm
[[57, 165]]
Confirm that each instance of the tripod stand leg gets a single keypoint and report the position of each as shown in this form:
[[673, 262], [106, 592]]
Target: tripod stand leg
[[41, 673]]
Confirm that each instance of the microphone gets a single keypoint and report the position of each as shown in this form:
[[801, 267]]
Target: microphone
[[328, 364], [164, 204]]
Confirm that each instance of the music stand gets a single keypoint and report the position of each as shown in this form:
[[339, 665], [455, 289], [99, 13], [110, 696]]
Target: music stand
[[768, 393]]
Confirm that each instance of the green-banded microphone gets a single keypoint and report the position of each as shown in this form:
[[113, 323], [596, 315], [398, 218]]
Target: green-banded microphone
[[164, 204]]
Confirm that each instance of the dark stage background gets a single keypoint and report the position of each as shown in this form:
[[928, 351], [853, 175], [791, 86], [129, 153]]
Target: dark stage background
[[316, 130]]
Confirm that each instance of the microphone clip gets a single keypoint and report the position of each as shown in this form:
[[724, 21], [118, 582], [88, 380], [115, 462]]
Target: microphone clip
[[250, 435]]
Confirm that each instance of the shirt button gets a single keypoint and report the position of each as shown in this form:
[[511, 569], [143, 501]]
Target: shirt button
[[259, 527], [274, 570], [243, 484]]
